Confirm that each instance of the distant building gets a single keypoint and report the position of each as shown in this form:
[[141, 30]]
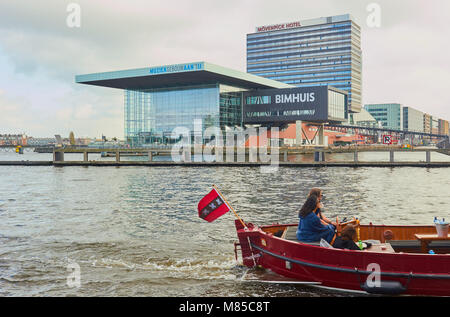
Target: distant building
[[426, 123], [434, 125], [13, 139], [41, 141], [389, 115], [397, 117], [363, 119], [413, 120], [83, 141], [443, 127]]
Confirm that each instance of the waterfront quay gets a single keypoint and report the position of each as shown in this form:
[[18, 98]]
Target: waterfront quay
[[238, 157]]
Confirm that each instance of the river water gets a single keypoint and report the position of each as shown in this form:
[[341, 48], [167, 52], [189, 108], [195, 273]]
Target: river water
[[134, 231]]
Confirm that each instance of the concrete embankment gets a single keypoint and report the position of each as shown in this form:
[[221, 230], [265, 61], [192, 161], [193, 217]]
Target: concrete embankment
[[247, 164]]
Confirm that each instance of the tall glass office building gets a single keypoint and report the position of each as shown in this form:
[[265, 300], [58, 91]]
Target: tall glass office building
[[317, 52]]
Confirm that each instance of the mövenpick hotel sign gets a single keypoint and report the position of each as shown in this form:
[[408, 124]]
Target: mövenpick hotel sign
[[277, 27]]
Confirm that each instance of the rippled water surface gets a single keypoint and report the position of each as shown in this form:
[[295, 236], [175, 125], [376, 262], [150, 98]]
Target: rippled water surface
[[134, 231]]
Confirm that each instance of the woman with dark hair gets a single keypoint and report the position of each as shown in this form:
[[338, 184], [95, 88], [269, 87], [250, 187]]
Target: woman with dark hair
[[310, 228], [319, 212]]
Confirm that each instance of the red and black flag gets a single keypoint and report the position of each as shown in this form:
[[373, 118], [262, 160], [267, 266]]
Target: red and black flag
[[212, 206]]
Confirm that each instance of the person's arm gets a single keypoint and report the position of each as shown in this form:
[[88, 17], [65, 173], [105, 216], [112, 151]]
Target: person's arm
[[328, 221], [324, 219], [317, 225]]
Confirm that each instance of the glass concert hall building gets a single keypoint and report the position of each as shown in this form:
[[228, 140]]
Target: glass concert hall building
[[159, 99]]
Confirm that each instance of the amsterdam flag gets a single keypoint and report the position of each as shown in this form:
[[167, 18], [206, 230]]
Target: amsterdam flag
[[212, 206]]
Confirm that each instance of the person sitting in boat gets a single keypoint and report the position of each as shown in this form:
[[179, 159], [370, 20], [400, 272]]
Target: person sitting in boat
[[347, 240], [319, 212], [310, 228]]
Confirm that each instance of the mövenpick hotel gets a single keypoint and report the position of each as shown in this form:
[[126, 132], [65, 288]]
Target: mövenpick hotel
[[317, 52]]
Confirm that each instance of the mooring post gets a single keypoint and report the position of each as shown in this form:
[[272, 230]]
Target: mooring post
[[355, 156], [58, 156], [285, 156], [391, 156], [117, 156], [319, 155], [86, 156], [150, 156], [428, 154]]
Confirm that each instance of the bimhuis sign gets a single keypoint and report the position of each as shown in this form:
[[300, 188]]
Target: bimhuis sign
[[286, 105]]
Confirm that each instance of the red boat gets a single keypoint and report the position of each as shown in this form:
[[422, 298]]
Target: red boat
[[397, 263]]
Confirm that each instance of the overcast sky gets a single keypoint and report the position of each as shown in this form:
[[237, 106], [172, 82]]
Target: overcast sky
[[405, 60]]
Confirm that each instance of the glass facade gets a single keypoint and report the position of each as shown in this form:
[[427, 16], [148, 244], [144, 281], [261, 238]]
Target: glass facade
[[325, 52], [390, 115], [230, 106], [152, 115], [412, 119], [336, 105]]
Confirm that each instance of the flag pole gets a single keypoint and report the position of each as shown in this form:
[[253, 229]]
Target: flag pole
[[232, 209]]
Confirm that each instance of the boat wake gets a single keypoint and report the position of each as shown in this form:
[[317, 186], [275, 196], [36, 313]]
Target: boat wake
[[220, 268]]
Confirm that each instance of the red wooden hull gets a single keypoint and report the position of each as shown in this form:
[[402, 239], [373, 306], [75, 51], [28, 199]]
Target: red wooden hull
[[417, 274]]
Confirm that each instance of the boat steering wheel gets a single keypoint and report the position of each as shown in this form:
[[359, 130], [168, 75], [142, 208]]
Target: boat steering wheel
[[342, 225]]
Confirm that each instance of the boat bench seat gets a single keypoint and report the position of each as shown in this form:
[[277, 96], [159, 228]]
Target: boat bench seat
[[291, 235]]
